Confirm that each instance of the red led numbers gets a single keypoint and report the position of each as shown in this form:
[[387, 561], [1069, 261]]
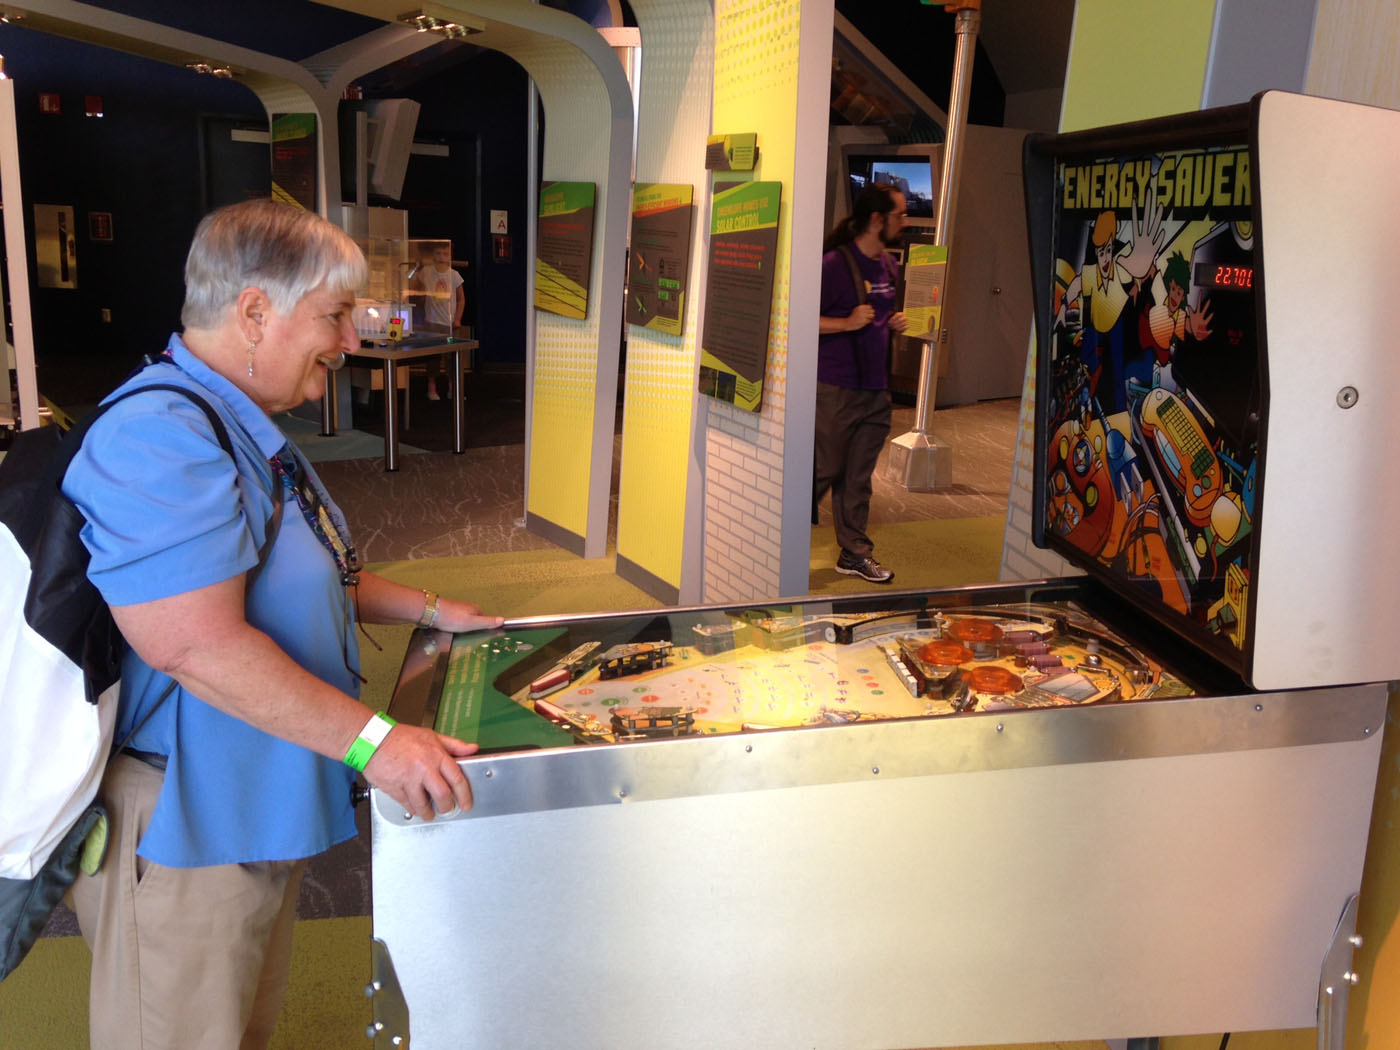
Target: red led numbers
[[1234, 277]]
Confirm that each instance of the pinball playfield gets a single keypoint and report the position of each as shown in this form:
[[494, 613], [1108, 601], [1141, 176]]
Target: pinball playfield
[[704, 673]]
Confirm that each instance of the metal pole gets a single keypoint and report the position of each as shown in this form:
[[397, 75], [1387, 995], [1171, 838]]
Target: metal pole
[[969, 20], [359, 229], [916, 461], [391, 413], [459, 411], [532, 210], [17, 249]]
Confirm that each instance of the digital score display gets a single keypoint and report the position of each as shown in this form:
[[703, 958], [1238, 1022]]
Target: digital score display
[[1223, 277]]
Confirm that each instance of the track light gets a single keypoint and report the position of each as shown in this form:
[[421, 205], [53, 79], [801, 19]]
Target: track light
[[209, 69], [426, 23]]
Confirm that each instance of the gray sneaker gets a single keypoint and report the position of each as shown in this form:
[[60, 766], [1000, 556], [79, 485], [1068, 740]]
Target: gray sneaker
[[865, 566]]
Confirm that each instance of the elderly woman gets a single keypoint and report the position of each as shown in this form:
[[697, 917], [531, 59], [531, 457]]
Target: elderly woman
[[235, 584]]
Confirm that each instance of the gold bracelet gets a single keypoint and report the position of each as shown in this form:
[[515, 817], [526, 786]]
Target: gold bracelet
[[430, 609]]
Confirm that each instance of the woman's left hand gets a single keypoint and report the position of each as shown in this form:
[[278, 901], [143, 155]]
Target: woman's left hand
[[382, 601], [898, 322], [458, 616]]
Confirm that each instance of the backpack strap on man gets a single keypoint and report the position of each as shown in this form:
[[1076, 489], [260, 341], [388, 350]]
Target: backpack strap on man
[[857, 278]]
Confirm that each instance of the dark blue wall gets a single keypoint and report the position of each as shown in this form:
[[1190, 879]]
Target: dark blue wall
[[478, 109], [921, 41], [143, 162]]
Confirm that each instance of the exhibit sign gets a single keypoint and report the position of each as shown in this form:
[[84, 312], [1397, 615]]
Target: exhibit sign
[[100, 226], [731, 152], [739, 291], [294, 159], [55, 246], [564, 248], [925, 271], [659, 265]]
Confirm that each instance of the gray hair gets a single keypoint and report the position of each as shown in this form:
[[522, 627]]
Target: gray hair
[[282, 249]]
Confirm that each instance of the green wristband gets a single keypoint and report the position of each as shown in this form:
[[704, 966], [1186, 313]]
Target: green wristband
[[367, 743]]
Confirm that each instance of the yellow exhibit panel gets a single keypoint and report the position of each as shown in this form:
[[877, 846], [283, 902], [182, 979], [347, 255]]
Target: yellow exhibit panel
[[658, 527], [650, 525], [657, 415], [588, 134], [563, 407], [756, 51], [757, 46], [1135, 61]]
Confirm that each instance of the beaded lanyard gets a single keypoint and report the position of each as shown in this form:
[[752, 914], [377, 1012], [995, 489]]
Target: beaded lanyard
[[287, 465], [297, 481]]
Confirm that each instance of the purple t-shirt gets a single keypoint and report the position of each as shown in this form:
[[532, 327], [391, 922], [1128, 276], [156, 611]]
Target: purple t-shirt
[[857, 360]]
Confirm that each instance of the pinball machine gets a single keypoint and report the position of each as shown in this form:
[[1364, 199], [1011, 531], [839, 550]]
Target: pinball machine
[[1133, 803]]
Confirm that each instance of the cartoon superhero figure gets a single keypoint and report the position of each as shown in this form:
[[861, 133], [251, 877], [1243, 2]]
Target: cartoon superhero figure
[[1110, 349], [1165, 327]]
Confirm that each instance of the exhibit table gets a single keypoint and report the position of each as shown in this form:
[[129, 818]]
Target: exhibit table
[[391, 356]]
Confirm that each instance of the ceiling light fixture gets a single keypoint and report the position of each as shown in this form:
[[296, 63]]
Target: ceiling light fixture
[[426, 23], [209, 69]]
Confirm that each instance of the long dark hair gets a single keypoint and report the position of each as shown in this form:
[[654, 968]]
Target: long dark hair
[[875, 199]]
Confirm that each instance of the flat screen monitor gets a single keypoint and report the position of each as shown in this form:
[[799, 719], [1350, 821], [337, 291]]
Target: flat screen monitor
[[910, 175]]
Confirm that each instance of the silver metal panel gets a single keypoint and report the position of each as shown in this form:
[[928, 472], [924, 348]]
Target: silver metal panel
[[1337, 979], [1250, 53], [1326, 609], [604, 775], [939, 882]]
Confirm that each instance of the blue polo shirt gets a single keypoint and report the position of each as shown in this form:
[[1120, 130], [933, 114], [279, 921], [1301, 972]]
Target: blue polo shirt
[[168, 512]]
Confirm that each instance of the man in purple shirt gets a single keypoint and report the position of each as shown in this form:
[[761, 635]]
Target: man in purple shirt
[[858, 316]]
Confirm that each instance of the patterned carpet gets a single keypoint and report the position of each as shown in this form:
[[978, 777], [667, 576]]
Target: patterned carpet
[[444, 505]]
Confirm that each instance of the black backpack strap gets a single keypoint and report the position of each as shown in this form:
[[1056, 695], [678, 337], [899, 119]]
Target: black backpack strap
[[51, 480], [215, 420], [857, 278], [75, 439], [118, 748], [221, 433]]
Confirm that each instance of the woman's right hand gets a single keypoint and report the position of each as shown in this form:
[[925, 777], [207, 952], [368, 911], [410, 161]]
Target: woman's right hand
[[861, 316], [418, 769]]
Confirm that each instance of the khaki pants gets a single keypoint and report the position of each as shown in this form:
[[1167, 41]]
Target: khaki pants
[[182, 958]]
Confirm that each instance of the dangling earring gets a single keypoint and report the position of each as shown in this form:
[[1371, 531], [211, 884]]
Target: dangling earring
[[252, 345]]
